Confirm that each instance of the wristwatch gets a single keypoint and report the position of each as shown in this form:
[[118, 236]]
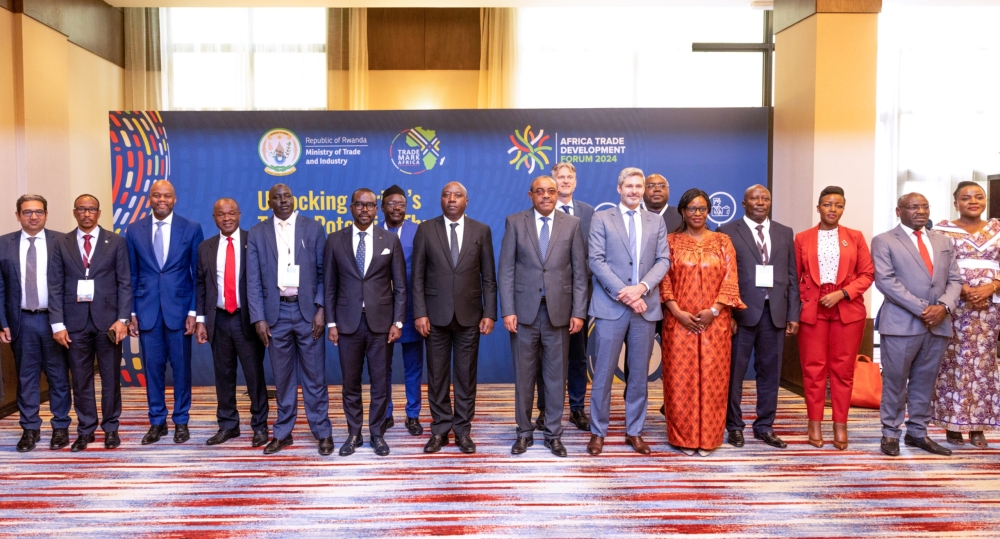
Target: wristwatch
[[715, 312], [399, 325], [125, 321], [946, 308]]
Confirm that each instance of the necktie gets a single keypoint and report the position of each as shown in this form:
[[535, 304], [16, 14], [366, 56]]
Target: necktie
[[631, 244], [360, 257], [762, 245], [543, 244], [923, 252], [454, 245], [565, 208], [229, 278], [31, 277], [158, 243], [86, 251]]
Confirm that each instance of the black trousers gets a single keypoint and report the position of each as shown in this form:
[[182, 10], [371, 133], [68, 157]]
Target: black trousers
[[229, 344], [442, 343], [353, 349], [766, 342], [85, 346]]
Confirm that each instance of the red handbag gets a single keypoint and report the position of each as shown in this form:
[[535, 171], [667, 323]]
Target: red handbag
[[867, 392]]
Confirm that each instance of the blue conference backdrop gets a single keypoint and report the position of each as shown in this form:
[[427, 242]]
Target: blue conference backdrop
[[325, 155]]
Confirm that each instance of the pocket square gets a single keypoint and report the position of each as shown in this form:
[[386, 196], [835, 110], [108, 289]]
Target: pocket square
[[385, 251]]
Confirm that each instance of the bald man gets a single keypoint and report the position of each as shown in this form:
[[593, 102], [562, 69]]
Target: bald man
[[163, 255]]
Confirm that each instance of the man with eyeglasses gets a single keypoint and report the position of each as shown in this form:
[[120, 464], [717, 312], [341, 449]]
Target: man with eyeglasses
[[454, 302], [163, 250], [917, 272], [25, 259], [656, 199], [411, 341], [765, 262], [543, 289], [285, 293], [366, 291], [90, 309]]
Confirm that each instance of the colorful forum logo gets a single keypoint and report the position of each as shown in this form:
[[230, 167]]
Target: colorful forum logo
[[530, 149], [279, 149], [723, 207], [415, 151]]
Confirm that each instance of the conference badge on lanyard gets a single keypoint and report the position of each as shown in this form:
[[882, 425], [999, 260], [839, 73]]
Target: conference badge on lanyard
[[85, 290]]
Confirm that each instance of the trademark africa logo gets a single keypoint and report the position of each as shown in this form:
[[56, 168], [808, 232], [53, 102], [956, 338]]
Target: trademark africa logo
[[279, 149], [415, 151], [723, 207], [530, 149]]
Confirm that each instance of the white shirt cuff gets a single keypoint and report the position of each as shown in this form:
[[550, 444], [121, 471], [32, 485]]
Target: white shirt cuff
[[647, 286], [192, 313], [331, 325], [56, 328], [199, 319]]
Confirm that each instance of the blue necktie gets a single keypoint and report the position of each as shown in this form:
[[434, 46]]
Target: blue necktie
[[158, 244], [543, 244], [565, 208], [631, 244], [361, 253]]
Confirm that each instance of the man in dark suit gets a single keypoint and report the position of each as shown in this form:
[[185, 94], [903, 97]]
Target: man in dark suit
[[543, 290], [412, 342], [285, 293], [224, 320], [564, 175], [917, 272], [90, 308], [454, 302], [366, 291], [765, 259], [656, 199], [163, 250], [25, 259]]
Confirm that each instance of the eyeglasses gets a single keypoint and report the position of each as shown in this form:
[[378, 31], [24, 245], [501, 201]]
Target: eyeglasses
[[363, 205], [915, 207], [84, 211], [394, 205], [699, 209], [542, 192], [32, 213]]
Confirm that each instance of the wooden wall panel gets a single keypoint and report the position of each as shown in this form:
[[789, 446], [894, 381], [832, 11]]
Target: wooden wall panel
[[396, 38], [452, 38], [91, 24], [789, 12]]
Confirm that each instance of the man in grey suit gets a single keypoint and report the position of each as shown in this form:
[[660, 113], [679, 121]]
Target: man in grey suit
[[366, 293], [285, 293], [916, 271], [564, 175], [543, 300], [629, 257], [765, 258]]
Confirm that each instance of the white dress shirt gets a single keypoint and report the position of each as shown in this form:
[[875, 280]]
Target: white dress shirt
[[41, 268], [165, 232], [828, 255], [923, 237], [94, 236], [572, 208], [284, 234], [767, 233], [538, 223], [638, 234], [459, 230], [356, 238], [220, 271]]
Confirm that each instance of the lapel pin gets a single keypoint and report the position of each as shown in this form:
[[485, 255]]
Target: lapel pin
[[843, 242]]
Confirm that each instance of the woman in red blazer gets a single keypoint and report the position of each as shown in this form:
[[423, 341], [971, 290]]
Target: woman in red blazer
[[835, 268]]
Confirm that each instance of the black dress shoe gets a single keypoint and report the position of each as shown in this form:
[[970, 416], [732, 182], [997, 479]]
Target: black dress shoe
[[890, 446], [540, 422], [378, 444], [276, 445], [579, 418], [926, 444], [259, 438], [352, 442], [735, 438], [521, 445], [435, 443], [771, 439], [28, 440], [414, 427], [81, 442], [154, 434], [326, 446], [181, 433], [466, 444], [111, 440], [60, 439], [388, 423], [223, 436], [555, 445]]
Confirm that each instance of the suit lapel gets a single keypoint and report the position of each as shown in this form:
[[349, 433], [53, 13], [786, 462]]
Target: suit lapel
[[271, 239], [647, 224], [299, 237], [844, 244], [529, 223], [747, 236], [74, 249], [98, 250], [811, 243], [213, 265], [243, 256], [348, 246], [619, 223], [176, 231], [443, 234], [14, 247], [904, 238], [466, 239]]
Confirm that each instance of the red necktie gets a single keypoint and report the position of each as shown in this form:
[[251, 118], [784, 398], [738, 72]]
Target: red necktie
[[923, 252], [229, 280], [86, 250]]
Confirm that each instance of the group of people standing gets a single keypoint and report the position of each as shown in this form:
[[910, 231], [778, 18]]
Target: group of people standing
[[642, 267]]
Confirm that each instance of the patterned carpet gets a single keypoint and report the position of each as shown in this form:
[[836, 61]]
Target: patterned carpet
[[191, 490]]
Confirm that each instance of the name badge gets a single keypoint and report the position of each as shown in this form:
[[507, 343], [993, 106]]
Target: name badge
[[765, 276], [289, 277], [84, 290]]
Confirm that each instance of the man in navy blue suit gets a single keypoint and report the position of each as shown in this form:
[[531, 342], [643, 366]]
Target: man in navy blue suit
[[25, 258], [163, 255], [285, 293]]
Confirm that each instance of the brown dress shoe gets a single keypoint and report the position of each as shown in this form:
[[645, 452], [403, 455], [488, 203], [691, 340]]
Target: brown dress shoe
[[637, 443], [815, 433], [840, 435], [595, 445]]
